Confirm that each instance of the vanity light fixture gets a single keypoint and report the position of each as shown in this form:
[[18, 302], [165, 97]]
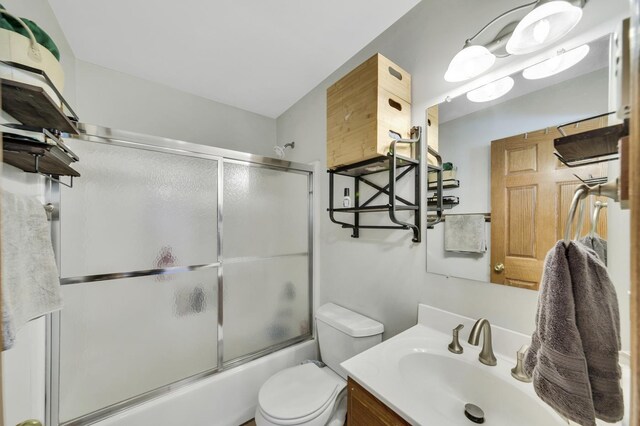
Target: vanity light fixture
[[468, 63], [491, 91], [546, 23], [552, 66]]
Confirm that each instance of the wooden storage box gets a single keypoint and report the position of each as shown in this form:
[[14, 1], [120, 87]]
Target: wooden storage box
[[363, 107]]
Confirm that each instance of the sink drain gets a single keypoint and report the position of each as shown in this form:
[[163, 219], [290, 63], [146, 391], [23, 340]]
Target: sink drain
[[474, 413]]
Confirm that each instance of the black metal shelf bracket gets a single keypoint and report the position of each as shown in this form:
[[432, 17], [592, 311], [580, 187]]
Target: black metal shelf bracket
[[437, 168], [393, 163]]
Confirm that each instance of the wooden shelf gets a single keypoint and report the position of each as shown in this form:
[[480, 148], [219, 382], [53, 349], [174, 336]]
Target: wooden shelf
[[32, 106], [447, 184], [592, 146], [448, 202], [50, 159]]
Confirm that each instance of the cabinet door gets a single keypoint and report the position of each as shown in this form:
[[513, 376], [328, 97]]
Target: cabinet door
[[365, 409]]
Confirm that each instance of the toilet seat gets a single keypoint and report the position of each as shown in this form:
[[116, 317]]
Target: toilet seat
[[299, 394]]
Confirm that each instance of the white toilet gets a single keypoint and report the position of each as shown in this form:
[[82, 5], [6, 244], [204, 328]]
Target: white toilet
[[308, 394]]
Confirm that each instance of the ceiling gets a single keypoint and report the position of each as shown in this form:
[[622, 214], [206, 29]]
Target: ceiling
[[258, 55]]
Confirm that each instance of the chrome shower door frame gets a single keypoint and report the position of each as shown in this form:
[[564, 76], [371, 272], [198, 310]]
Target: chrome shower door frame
[[96, 134]]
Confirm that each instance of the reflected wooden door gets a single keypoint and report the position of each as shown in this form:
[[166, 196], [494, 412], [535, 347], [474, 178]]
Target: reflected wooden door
[[531, 192]]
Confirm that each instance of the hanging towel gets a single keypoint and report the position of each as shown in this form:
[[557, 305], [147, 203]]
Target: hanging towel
[[597, 244], [30, 283], [465, 233], [598, 320], [574, 351]]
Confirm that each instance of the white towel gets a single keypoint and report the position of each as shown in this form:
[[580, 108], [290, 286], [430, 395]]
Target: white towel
[[30, 283], [465, 233]]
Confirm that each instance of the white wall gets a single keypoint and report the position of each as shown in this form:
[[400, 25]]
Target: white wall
[[383, 274], [113, 99]]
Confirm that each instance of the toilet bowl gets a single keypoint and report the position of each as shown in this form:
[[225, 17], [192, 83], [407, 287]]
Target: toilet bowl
[[309, 394], [302, 395]]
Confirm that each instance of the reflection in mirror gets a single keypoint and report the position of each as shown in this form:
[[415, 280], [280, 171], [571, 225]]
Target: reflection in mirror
[[506, 194]]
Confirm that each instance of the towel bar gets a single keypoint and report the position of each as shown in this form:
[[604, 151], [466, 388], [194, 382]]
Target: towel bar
[[487, 216]]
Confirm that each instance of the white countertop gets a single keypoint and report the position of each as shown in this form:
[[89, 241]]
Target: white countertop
[[380, 370]]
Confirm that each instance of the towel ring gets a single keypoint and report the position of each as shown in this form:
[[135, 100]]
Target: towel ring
[[597, 207], [609, 190], [578, 196], [580, 223]]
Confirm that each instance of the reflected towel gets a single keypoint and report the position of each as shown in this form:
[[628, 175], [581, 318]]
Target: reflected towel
[[465, 233], [574, 351], [30, 283]]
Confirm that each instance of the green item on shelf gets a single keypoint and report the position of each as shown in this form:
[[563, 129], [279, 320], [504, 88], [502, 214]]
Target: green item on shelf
[[447, 166], [8, 23]]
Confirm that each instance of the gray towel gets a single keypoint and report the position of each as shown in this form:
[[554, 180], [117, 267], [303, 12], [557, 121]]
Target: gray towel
[[574, 351], [30, 283], [465, 233], [597, 244]]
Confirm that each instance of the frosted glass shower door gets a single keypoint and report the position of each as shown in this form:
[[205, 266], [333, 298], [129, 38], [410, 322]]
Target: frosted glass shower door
[[126, 330], [122, 338], [265, 258], [134, 209]]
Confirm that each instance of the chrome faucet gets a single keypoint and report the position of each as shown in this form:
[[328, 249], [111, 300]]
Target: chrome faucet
[[486, 354]]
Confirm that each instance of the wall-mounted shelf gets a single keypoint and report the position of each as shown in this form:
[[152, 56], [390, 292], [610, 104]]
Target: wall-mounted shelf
[[592, 146], [34, 146], [32, 106], [34, 156], [446, 184], [397, 167], [448, 202], [375, 165]]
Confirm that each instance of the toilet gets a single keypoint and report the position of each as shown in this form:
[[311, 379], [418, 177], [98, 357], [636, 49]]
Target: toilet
[[309, 394]]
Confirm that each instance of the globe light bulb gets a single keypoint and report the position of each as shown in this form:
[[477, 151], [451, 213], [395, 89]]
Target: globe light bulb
[[468, 63], [544, 25], [541, 30]]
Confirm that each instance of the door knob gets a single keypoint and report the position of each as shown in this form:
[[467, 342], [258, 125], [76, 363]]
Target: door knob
[[30, 423], [499, 267]]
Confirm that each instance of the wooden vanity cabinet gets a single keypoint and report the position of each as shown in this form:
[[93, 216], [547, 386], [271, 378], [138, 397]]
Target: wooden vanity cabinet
[[365, 409]]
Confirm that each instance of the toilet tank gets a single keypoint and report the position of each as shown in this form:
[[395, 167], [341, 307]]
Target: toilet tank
[[343, 334]]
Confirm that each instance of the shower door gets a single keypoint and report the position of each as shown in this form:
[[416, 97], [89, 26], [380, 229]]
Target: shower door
[[177, 261]]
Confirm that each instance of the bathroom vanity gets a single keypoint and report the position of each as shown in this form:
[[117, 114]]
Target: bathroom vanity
[[364, 409], [413, 378]]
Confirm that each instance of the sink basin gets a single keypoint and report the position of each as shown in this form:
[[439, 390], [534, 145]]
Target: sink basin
[[448, 382], [415, 375]]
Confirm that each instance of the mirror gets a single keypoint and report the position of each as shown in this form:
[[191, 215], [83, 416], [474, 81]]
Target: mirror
[[499, 165]]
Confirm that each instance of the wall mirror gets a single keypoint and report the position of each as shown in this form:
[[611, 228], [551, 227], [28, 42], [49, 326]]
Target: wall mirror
[[497, 145]]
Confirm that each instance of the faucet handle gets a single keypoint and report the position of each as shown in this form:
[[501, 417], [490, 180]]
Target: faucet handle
[[518, 371], [454, 346]]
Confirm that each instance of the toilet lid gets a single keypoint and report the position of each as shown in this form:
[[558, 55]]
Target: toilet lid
[[299, 391]]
